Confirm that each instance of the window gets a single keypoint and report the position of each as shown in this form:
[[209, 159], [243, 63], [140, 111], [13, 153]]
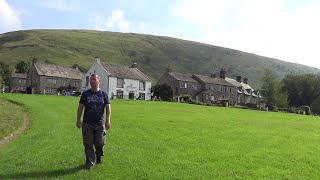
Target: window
[[87, 80], [183, 85], [141, 96], [22, 81], [142, 86], [120, 82], [49, 90], [52, 81], [231, 90], [221, 88], [194, 86]]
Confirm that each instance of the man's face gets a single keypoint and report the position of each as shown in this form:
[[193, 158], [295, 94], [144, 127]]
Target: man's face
[[94, 81]]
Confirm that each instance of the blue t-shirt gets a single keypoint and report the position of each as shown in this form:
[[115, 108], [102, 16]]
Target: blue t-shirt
[[94, 103]]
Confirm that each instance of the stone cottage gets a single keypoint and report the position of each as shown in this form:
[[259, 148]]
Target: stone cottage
[[49, 78], [211, 88]]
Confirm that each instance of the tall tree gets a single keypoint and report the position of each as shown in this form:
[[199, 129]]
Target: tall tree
[[22, 67], [5, 72], [302, 89], [271, 91]]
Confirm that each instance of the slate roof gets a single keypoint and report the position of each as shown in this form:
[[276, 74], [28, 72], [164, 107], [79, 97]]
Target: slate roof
[[57, 71], [19, 75], [212, 80], [236, 83], [208, 91], [183, 77], [122, 71]]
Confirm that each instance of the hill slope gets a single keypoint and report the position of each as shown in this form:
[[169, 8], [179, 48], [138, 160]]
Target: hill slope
[[152, 53]]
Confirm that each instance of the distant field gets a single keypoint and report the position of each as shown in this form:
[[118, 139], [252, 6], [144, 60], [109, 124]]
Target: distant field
[[159, 140]]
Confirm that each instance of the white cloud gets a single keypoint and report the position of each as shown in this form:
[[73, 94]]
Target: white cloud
[[116, 22], [9, 19], [266, 28], [61, 5]]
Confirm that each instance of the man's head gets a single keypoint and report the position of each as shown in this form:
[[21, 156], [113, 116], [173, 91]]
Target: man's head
[[94, 81]]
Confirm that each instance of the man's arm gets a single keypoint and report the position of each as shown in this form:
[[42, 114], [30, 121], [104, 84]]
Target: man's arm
[[79, 113], [108, 111]]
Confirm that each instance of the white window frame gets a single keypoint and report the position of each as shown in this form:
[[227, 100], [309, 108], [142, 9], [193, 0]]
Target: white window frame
[[142, 86], [120, 83], [183, 85], [52, 81]]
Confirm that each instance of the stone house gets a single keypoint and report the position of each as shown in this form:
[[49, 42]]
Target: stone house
[[182, 84], [18, 82], [50, 79], [119, 81], [245, 93], [211, 88]]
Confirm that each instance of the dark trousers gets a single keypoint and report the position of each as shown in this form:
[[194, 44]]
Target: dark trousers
[[93, 135]]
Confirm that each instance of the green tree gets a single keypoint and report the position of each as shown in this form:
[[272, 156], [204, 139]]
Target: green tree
[[22, 67], [303, 90], [271, 91], [5, 72], [164, 91]]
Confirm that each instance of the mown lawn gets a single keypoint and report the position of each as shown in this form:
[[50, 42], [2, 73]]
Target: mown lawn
[[158, 140]]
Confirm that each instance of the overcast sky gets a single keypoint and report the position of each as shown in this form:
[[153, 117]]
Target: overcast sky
[[288, 30]]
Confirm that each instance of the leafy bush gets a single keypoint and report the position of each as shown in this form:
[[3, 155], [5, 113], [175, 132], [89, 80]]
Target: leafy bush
[[164, 91]]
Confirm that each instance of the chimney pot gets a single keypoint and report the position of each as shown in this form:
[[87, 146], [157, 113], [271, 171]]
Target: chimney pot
[[239, 79], [245, 80], [97, 59], [134, 65]]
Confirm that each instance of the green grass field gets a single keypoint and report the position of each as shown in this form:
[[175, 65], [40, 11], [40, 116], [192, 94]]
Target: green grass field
[[11, 117], [159, 140]]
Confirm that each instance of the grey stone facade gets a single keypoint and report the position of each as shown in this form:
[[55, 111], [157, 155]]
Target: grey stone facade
[[211, 88], [49, 79], [18, 83]]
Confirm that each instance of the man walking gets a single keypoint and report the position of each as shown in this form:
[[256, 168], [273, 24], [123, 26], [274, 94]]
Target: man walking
[[93, 126]]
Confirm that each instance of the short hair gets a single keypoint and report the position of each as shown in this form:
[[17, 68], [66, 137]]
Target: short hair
[[98, 77]]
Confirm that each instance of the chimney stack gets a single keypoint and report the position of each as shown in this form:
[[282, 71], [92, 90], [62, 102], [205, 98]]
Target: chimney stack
[[97, 59], [34, 60], [168, 69], [76, 66], [239, 79], [223, 73], [245, 80]]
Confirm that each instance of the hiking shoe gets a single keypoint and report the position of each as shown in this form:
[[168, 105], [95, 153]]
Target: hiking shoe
[[88, 166], [99, 159]]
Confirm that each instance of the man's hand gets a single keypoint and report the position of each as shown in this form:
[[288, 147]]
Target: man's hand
[[79, 124], [108, 125]]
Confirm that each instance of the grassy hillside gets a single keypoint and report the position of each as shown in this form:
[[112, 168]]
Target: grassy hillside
[[153, 53], [158, 140]]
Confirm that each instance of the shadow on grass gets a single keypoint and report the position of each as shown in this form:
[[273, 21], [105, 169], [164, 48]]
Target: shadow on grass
[[38, 175]]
